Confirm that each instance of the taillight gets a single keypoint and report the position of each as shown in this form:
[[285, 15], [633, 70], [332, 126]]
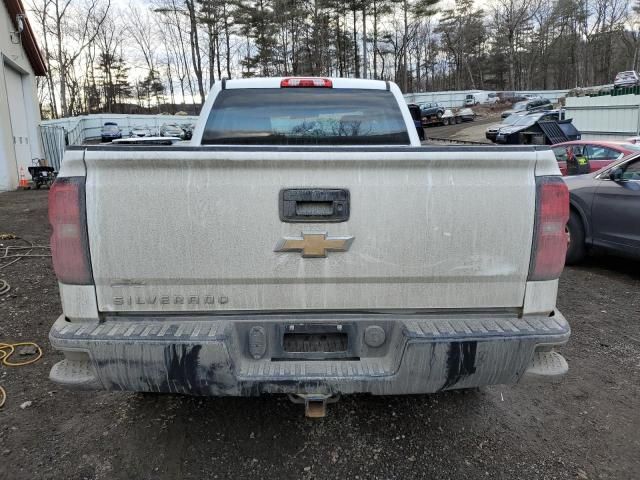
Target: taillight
[[549, 235], [69, 239], [297, 82]]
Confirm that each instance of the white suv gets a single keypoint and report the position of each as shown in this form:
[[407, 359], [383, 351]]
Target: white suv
[[626, 79]]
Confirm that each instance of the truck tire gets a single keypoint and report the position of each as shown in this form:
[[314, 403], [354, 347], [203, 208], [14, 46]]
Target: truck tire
[[458, 119], [576, 249], [445, 121]]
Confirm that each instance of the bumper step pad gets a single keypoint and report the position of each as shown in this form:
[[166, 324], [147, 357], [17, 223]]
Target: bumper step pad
[[546, 366]]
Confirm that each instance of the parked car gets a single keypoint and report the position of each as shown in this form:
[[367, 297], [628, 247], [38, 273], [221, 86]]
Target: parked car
[[430, 109], [465, 115], [630, 78], [492, 131], [492, 98], [109, 132], [597, 154], [510, 97], [605, 210], [516, 132], [451, 117], [140, 132], [431, 113], [435, 114], [247, 265], [171, 130], [480, 98], [529, 106]]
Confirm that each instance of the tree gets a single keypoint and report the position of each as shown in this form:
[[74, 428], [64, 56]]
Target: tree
[[512, 18], [184, 46], [462, 32], [73, 26]]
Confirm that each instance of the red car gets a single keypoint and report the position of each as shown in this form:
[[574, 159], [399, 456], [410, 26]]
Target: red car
[[598, 153]]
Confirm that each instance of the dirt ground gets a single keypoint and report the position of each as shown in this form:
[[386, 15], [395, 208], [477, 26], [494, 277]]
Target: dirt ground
[[586, 427], [467, 131]]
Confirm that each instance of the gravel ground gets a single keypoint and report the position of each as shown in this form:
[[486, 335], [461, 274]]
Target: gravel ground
[[586, 427], [470, 131]]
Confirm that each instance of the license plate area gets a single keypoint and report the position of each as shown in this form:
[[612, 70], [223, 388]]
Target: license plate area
[[316, 342]]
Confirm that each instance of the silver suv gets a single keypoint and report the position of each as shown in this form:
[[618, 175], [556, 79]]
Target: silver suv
[[630, 78]]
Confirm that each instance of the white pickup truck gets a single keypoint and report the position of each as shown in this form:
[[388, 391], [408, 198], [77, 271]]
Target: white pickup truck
[[304, 242]]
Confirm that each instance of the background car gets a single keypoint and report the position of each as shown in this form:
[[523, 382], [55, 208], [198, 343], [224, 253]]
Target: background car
[[605, 210], [513, 134], [492, 131], [429, 109], [110, 131], [465, 115], [599, 154], [630, 78], [140, 132], [171, 130], [529, 106], [480, 98]]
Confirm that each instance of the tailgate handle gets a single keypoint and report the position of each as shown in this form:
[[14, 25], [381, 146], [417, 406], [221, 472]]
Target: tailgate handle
[[299, 205]]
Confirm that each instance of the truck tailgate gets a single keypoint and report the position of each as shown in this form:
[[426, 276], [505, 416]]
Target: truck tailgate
[[195, 229]]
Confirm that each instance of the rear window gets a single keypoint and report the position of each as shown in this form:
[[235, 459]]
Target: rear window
[[526, 120], [511, 119], [305, 116]]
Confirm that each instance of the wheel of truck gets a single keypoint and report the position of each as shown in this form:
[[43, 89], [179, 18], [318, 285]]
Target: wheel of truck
[[458, 119], [576, 248], [445, 121]]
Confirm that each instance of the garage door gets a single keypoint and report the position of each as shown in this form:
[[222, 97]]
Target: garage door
[[19, 125]]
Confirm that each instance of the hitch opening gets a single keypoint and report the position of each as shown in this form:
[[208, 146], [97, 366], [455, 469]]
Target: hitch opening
[[315, 404]]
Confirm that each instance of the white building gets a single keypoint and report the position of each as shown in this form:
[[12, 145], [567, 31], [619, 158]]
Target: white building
[[20, 62]]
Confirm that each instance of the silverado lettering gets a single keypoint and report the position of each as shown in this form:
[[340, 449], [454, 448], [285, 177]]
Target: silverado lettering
[[169, 299]]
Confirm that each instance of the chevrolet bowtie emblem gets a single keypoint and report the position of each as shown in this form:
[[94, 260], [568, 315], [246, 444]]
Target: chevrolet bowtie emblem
[[314, 245]]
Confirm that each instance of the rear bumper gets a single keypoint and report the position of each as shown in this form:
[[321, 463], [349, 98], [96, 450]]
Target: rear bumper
[[218, 356]]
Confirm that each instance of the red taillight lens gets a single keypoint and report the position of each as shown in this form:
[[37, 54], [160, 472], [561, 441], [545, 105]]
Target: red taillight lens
[[549, 236], [69, 240], [297, 82]]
